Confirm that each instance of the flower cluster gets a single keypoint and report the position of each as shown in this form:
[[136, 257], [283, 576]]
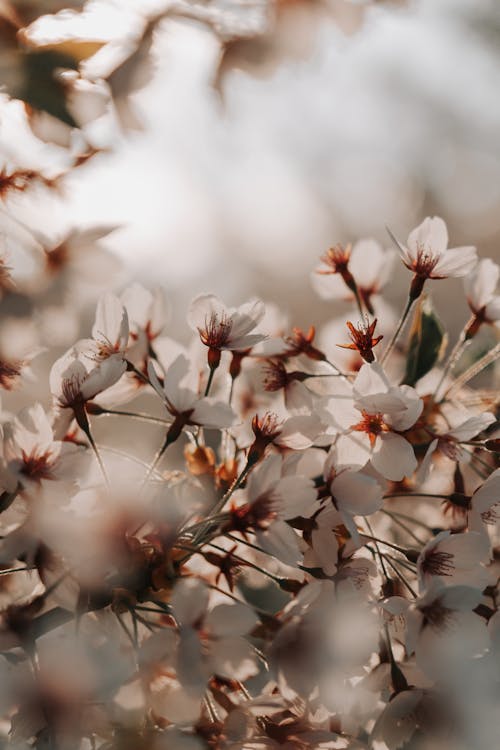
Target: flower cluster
[[243, 541]]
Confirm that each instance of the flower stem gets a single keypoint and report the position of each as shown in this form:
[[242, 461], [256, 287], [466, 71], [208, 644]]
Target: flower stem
[[398, 330]]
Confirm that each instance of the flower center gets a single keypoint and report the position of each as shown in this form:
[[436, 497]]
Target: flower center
[[438, 563], [217, 331], [37, 467], [372, 424]]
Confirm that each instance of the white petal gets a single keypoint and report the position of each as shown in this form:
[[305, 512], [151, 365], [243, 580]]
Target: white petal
[[189, 600], [265, 477], [211, 413], [393, 457], [230, 619], [202, 308], [456, 262], [481, 283], [281, 541], [431, 235], [356, 493], [299, 432], [487, 495], [233, 658], [298, 496], [370, 379], [111, 321]]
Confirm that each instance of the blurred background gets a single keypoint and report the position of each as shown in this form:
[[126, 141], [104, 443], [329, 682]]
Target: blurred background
[[261, 134]]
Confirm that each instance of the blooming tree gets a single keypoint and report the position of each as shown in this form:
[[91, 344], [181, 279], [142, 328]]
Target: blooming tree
[[233, 541]]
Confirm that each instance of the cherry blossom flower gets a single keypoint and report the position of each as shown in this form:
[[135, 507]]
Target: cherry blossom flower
[[444, 631], [271, 500], [211, 641], [298, 432], [297, 397], [222, 327], [427, 254], [480, 287], [449, 443], [371, 425], [485, 502], [31, 453], [370, 265], [353, 492], [146, 310], [110, 330], [183, 402], [455, 559]]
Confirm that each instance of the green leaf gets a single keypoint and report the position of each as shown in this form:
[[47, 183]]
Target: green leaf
[[427, 343]]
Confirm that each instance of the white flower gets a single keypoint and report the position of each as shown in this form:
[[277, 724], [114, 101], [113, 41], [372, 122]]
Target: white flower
[[443, 630], [211, 641], [370, 425], [427, 253], [76, 378], [271, 500], [146, 310], [30, 451], [182, 400], [485, 502], [371, 266], [222, 327], [353, 492], [449, 443], [455, 559], [480, 287], [110, 330]]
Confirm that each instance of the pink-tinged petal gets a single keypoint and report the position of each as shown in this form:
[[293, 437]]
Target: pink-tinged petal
[[393, 457], [488, 494], [208, 412], [281, 541], [230, 619], [356, 493], [264, 478], [299, 432], [431, 236], [368, 263], [481, 283], [202, 308], [456, 262], [189, 601]]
